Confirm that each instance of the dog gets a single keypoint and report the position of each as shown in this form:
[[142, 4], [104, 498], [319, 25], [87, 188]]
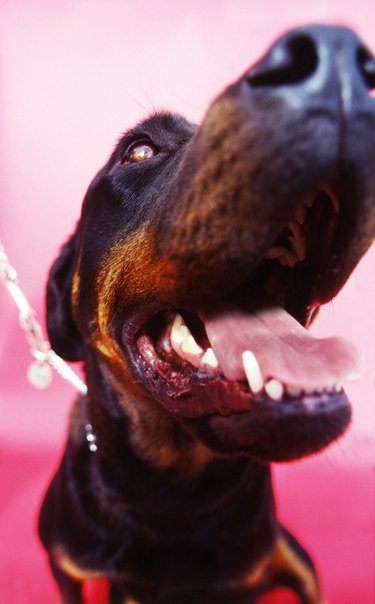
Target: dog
[[201, 256]]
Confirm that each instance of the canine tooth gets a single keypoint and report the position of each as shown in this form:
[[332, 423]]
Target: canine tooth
[[309, 202], [179, 331], [294, 391], [209, 358], [274, 389], [181, 335], [253, 372], [190, 346]]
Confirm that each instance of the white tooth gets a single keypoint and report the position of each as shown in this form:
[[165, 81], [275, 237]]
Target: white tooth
[[338, 387], [300, 213], [209, 358], [190, 346], [179, 331], [253, 372], [309, 202], [274, 389], [294, 391]]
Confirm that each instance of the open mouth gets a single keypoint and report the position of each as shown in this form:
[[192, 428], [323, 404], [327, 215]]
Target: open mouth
[[252, 347]]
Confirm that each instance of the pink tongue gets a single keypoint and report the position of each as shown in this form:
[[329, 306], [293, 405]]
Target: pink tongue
[[284, 349]]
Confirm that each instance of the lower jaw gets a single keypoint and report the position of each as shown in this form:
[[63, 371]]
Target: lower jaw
[[270, 435], [227, 418]]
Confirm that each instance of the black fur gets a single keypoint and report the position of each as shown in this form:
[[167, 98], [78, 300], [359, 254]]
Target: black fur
[[164, 487]]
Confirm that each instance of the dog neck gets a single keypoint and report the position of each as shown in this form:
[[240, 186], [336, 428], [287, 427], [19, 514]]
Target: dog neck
[[147, 488], [114, 425]]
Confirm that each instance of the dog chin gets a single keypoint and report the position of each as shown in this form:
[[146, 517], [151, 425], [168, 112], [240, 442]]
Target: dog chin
[[269, 434]]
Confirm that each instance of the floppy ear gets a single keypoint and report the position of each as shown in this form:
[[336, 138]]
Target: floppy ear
[[64, 336]]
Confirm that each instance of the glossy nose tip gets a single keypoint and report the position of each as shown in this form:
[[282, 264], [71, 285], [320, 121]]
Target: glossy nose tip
[[297, 56]]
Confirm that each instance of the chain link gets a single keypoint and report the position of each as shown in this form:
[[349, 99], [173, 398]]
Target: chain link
[[40, 348]]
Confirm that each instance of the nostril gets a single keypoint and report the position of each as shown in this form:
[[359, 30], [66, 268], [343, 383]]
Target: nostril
[[291, 62], [366, 63]]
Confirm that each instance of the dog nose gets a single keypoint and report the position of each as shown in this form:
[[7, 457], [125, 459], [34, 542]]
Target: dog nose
[[317, 57]]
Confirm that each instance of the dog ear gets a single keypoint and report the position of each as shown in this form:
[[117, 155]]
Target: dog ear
[[64, 336]]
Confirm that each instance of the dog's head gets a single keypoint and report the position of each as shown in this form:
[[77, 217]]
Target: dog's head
[[203, 253]]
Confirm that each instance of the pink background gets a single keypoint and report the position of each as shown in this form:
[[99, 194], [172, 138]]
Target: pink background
[[73, 75]]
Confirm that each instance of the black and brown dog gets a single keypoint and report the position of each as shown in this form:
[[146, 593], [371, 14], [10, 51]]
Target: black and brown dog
[[201, 255]]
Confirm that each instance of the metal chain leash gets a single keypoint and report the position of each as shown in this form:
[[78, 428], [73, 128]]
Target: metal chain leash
[[40, 372]]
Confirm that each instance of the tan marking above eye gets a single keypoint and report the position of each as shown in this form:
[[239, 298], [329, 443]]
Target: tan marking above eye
[[139, 153]]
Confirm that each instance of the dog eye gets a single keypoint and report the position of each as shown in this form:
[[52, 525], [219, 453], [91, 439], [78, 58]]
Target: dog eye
[[139, 152]]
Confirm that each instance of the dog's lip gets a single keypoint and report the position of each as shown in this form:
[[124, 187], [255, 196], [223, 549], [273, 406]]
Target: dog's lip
[[274, 432], [192, 389]]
